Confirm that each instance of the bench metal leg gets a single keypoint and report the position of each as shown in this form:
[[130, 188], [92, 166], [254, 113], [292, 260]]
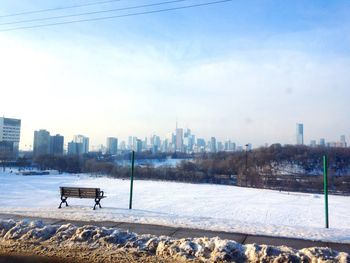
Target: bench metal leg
[[63, 200], [97, 202]]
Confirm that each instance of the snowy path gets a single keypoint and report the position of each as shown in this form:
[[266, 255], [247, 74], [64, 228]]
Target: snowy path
[[213, 207]]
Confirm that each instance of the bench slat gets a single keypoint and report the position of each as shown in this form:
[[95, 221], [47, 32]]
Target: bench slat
[[80, 192]]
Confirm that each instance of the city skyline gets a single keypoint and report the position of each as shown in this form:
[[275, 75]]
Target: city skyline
[[177, 140], [246, 71]]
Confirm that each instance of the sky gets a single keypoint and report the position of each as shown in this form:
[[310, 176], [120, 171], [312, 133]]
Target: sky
[[247, 71]]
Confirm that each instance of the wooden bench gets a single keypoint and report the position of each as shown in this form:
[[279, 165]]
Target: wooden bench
[[81, 192]]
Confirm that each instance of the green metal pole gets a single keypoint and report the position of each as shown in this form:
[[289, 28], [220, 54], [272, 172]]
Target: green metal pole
[[325, 183], [132, 178]]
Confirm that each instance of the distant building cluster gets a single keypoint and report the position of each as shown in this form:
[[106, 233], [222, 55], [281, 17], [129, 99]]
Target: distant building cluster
[[322, 141], [44, 143], [180, 140]]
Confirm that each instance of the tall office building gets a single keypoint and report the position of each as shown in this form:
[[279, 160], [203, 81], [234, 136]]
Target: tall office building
[[187, 133], [201, 142], [322, 142], [138, 146], [75, 148], [189, 141], [41, 143], [300, 133], [220, 147], [130, 143], [179, 140], [56, 144], [112, 145], [84, 141], [165, 145], [10, 131], [155, 141], [343, 141], [173, 139], [145, 144], [134, 143], [213, 145], [230, 146]]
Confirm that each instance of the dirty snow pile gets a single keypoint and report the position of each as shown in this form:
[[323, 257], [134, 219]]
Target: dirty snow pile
[[203, 249]]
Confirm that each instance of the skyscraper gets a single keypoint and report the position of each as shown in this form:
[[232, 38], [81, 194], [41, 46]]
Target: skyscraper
[[300, 133], [10, 131], [138, 145], [322, 142], [56, 144], [187, 133], [165, 145], [230, 146], [112, 145], [179, 140], [213, 145], [201, 142], [220, 147], [134, 143], [130, 143], [41, 144], [343, 141], [75, 148], [84, 141]]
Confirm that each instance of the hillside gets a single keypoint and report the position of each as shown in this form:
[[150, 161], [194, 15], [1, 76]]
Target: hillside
[[215, 207]]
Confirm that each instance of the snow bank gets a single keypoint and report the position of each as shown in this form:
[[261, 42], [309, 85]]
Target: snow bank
[[203, 249]]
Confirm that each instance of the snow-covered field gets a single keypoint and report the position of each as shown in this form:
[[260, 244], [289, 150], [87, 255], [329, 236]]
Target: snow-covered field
[[214, 207]]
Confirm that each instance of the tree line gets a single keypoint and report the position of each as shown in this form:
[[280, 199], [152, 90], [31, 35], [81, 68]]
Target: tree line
[[289, 167]]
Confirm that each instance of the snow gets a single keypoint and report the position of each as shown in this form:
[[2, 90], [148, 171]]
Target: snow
[[205, 206], [154, 162], [204, 249]]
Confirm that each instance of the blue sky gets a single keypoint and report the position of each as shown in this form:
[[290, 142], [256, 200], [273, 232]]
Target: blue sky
[[241, 70]]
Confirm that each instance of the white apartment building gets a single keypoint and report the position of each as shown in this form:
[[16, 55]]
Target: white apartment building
[[10, 129], [10, 132]]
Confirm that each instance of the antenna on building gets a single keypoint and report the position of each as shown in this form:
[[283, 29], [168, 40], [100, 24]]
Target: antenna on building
[[176, 123]]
